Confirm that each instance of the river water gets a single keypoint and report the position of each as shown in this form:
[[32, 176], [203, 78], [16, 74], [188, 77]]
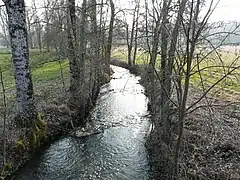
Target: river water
[[117, 153]]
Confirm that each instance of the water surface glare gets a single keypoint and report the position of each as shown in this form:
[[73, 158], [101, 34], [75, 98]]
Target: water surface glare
[[118, 153]]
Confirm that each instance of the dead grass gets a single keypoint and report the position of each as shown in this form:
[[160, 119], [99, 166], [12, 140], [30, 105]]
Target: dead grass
[[211, 146]]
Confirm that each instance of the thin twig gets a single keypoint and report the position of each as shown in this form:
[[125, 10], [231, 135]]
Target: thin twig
[[4, 117]]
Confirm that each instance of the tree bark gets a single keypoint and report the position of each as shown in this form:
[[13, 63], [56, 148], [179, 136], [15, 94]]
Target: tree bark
[[75, 99], [82, 50], [39, 36], [169, 68], [164, 98], [152, 62], [109, 41], [30, 39], [130, 44], [136, 35], [94, 56], [20, 54]]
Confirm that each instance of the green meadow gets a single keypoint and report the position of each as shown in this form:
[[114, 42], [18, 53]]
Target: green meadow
[[46, 71], [213, 67]]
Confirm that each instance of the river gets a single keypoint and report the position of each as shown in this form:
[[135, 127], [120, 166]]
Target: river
[[117, 153]]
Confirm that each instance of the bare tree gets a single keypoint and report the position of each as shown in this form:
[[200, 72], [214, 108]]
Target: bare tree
[[4, 116], [29, 27], [94, 50], [136, 32], [4, 27], [38, 26], [74, 64], [110, 37]]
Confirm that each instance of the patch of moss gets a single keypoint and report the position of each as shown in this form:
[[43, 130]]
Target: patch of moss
[[39, 131]]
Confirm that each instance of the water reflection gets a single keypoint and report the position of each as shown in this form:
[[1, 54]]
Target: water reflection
[[118, 153]]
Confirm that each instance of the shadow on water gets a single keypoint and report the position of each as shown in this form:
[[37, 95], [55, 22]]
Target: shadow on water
[[118, 153]]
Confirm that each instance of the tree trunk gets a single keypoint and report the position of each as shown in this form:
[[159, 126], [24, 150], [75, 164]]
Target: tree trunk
[[75, 99], [136, 35], [39, 36], [20, 54], [152, 62], [82, 50], [164, 98], [130, 44], [109, 41], [29, 31], [48, 36], [95, 64], [168, 76]]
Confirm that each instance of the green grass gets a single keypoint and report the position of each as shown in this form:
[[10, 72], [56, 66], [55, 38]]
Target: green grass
[[121, 54], [46, 74], [229, 87], [49, 71]]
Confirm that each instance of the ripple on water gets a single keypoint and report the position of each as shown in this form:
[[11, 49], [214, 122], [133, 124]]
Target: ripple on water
[[118, 153]]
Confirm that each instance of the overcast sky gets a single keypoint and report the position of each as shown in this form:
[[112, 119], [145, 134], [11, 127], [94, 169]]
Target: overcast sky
[[227, 10]]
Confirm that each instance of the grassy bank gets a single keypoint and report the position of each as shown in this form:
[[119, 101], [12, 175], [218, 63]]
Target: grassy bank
[[50, 79], [51, 83], [212, 71]]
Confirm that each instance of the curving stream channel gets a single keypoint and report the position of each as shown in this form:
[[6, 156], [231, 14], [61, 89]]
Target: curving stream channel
[[117, 153]]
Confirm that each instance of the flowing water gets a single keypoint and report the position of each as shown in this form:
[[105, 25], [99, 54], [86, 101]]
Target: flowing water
[[117, 153]]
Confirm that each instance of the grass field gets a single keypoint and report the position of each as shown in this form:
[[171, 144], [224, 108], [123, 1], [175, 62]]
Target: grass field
[[46, 74], [229, 88]]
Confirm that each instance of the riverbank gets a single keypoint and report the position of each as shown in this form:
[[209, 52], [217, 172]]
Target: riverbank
[[114, 146], [51, 83], [211, 146], [57, 121]]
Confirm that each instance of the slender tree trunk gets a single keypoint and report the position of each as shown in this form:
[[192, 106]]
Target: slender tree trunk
[[136, 35], [82, 50], [164, 98], [75, 99], [130, 44], [29, 31], [110, 37], [101, 44], [169, 68], [192, 38], [39, 36], [46, 6], [38, 27], [20, 54], [4, 117], [152, 62], [95, 65], [4, 27], [48, 36]]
